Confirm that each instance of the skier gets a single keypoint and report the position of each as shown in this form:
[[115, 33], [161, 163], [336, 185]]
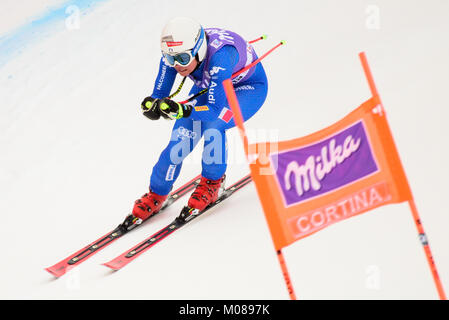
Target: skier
[[207, 57]]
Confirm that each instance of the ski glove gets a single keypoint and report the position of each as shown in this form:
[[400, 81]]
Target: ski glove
[[173, 110], [150, 108]]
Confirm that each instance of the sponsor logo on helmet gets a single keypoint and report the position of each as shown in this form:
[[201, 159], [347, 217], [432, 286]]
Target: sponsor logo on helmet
[[167, 38], [198, 44], [174, 43], [198, 34]]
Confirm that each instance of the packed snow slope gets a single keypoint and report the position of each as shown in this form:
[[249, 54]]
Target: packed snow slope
[[75, 151]]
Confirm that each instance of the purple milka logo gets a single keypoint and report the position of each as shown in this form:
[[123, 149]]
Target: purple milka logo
[[325, 166]]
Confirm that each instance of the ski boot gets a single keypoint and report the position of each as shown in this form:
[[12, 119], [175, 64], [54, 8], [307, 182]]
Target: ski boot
[[206, 193], [148, 205]]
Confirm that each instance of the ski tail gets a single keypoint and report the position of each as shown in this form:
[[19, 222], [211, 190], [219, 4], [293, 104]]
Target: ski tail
[[68, 263]]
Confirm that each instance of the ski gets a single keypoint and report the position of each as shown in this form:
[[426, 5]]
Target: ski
[[185, 217], [127, 225]]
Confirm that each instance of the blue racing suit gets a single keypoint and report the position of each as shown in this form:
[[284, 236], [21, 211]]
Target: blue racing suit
[[211, 116]]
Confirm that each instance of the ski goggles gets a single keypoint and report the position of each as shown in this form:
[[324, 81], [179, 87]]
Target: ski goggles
[[183, 58]]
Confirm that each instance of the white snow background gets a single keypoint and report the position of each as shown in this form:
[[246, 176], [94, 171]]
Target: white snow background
[[75, 151]]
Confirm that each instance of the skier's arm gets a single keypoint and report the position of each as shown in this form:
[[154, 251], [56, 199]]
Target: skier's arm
[[221, 66], [162, 87]]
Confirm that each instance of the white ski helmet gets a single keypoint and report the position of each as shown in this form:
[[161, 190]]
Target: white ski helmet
[[183, 35]]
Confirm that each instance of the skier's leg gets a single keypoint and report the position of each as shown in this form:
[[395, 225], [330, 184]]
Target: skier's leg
[[214, 157], [251, 96], [166, 169], [185, 135]]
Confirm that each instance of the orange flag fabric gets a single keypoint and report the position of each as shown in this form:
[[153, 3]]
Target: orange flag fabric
[[346, 169]]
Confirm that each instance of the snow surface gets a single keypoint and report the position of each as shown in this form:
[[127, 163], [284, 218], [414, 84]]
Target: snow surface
[[20, 12], [75, 152]]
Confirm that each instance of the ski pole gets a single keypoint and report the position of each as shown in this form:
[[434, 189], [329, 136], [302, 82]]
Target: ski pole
[[205, 90], [258, 60], [242, 70], [263, 37], [178, 90]]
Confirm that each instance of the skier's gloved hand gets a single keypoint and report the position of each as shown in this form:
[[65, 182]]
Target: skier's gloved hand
[[173, 110], [150, 108]]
